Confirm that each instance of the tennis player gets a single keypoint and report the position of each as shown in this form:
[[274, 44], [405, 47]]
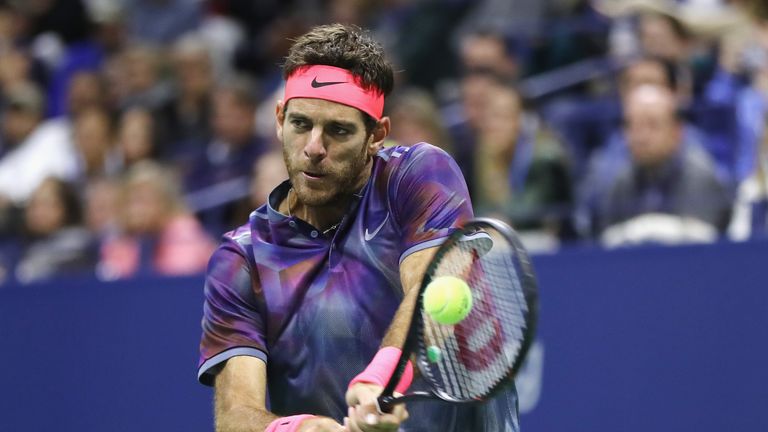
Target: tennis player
[[307, 304]]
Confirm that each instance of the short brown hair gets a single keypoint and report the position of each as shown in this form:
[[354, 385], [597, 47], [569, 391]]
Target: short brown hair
[[343, 46]]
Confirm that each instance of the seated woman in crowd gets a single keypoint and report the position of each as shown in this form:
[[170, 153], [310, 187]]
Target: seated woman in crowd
[[54, 241], [157, 234]]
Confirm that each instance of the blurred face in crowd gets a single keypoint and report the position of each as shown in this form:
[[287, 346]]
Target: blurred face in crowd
[[659, 38], [93, 137], [348, 11], [268, 171], [85, 91], [136, 135], [45, 212], [7, 27], [475, 90], [326, 148], [193, 70], [487, 52], [14, 67], [233, 120], [101, 205], [500, 125], [146, 207], [417, 119], [18, 123], [644, 72], [140, 64], [652, 129]]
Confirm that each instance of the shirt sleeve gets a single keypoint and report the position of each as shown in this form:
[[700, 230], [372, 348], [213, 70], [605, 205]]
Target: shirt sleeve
[[430, 198], [233, 324]]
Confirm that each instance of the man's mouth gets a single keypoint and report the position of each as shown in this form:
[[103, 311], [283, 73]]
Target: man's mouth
[[313, 175]]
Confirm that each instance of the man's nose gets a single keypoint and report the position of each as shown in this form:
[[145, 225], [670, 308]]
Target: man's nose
[[315, 148]]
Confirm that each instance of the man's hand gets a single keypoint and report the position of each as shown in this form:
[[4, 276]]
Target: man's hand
[[363, 414], [320, 424]]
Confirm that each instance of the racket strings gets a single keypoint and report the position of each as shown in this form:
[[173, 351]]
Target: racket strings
[[478, 353]]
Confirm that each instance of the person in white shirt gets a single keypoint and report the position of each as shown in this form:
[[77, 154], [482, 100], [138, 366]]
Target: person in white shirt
[[35, 149]]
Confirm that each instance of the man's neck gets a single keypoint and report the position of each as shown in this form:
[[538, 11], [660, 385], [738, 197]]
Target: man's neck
[[324, 217]]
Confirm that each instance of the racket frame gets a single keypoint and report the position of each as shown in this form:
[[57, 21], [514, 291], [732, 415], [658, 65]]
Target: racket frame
[[387, 400]]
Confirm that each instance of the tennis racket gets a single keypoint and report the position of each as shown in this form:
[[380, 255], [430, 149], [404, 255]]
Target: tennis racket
[[474, 359]]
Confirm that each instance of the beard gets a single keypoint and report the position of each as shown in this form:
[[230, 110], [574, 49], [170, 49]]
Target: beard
[[337, 182]]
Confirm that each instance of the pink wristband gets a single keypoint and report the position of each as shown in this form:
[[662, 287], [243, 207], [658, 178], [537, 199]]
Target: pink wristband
[[287, 424], [381, 368]]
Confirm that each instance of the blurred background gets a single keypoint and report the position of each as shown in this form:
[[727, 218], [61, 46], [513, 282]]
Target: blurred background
[[625, 139]]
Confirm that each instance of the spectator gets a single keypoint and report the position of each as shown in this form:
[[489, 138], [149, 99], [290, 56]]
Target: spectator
[[665, 175], [735, 99], [55, 242], [522, 171], [158, 22], [135, 78], [94, 140], [185, 117], [136, 136], [86, 90], [489, 51], [418, 120], [102, 202], [613, 153], [34, 149], [227, 159], [463, 119], [268, 172], [15, 68], [157, 233], [750, 212]]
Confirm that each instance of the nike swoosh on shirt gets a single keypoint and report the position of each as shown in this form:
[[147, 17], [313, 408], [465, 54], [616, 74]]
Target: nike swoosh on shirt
[[317, 84], [369, 236]]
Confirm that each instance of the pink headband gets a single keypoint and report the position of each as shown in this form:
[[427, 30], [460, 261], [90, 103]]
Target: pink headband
[[335, 85]]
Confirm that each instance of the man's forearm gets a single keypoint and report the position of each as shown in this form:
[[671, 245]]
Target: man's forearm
[[411, 272], [398, 329], [242, 419], [240, 396]]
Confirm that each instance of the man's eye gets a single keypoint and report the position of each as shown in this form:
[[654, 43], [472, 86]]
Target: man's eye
[[299, 124], [340, 131]]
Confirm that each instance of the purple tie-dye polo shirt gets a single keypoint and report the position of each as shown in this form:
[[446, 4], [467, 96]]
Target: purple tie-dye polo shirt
[[315, 307]]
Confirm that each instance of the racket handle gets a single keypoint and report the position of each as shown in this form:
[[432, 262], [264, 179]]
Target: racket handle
[[385, 404]]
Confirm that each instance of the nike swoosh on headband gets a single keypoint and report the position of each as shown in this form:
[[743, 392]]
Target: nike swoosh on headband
[[317, 84]]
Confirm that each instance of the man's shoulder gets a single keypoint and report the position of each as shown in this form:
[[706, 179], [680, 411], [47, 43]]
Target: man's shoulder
[[398, 157], [240, 237], [395, 152]]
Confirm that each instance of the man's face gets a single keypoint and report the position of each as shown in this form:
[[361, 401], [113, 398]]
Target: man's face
[[326, 149], [652, 130], [645, 72], [233, 122], [500, 124], [18, 124]]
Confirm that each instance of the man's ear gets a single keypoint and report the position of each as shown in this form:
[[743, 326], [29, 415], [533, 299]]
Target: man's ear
[[379, 135], [280, 117]]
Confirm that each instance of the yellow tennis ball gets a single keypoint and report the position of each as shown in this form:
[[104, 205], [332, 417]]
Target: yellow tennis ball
[[447, 299]]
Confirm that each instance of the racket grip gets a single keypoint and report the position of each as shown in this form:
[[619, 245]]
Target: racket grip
[[385, 404]]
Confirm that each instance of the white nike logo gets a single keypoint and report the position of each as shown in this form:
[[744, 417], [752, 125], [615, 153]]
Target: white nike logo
[[369, 236]]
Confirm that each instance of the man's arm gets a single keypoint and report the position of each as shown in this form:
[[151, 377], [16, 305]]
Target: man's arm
[[240, 400], [361, 396], [240, 396], [411, 271]]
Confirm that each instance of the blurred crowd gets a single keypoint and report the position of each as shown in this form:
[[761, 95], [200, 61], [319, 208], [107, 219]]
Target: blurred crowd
[[135, 132]]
